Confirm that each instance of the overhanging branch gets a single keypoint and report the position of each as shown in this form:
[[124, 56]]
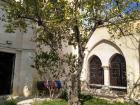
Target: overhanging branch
[[7, 1], [92, 31], [30, 18]]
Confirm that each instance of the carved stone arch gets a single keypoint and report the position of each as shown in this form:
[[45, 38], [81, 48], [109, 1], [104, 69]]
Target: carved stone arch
[[96, 70], [107, 42], [117, 69]]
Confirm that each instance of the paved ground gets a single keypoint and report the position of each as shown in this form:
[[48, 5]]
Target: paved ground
[[23, 100], [32, 100]]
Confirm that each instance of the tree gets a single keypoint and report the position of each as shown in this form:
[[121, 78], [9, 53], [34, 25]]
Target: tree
[[72, 22]]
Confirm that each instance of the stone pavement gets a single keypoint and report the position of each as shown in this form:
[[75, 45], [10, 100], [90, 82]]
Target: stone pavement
[[33, 100]]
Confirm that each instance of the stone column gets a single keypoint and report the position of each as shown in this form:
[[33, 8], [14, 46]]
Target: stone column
[[106, 76]]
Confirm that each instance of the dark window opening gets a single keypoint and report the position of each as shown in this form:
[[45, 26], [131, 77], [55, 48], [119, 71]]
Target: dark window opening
[[96, 71], [7, 61], [118, 71]]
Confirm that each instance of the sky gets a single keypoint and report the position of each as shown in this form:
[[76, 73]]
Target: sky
[[132, 6]]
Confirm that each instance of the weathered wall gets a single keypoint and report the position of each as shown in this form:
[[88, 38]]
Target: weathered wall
[[21, 45], [104, 47]]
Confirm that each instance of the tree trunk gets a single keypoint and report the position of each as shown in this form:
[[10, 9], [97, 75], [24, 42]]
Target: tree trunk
[[73, 90]]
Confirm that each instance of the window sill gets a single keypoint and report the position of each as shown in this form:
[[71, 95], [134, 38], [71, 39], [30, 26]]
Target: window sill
[[111, 87], [97, 86]]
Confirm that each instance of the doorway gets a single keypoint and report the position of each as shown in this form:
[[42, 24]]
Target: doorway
[[7, 62]]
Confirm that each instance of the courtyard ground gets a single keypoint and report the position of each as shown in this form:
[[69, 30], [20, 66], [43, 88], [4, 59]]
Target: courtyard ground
[[85, 100]]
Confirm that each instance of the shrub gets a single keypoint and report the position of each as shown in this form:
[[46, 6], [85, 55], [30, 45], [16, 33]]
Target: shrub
[[53, 102], [64, 95], [10, 102]]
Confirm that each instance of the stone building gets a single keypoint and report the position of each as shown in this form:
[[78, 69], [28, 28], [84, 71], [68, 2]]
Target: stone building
[[16, 50], [112, 66]]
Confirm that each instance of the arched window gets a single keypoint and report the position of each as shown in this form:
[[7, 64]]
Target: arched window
[[118, 70], [96, 71]]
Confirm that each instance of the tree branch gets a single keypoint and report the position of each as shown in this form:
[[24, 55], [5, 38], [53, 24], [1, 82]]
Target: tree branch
[[7, 1], [121, 31], [92, 30], [30, 18]]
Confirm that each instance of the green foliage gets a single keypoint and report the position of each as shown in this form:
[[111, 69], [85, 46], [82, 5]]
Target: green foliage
[[88, 101], [85, 98], [67, 21], [64, 95], [10, 102], [48, 63], [96, 101], [138, 28], [53, 102], [72, 22]]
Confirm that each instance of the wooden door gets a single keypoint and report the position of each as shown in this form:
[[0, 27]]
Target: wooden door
[[118, 71], [96, 71]]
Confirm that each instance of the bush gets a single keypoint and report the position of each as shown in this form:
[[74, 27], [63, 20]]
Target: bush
[[64, 95], [53, 102], [85, 100], [10, 102]]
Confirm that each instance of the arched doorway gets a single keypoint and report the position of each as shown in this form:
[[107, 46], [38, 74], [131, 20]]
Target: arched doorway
[[118, 71], [96, 70]]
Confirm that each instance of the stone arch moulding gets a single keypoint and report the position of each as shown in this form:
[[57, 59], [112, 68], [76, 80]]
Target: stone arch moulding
[[109, 43], [88, 56]]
